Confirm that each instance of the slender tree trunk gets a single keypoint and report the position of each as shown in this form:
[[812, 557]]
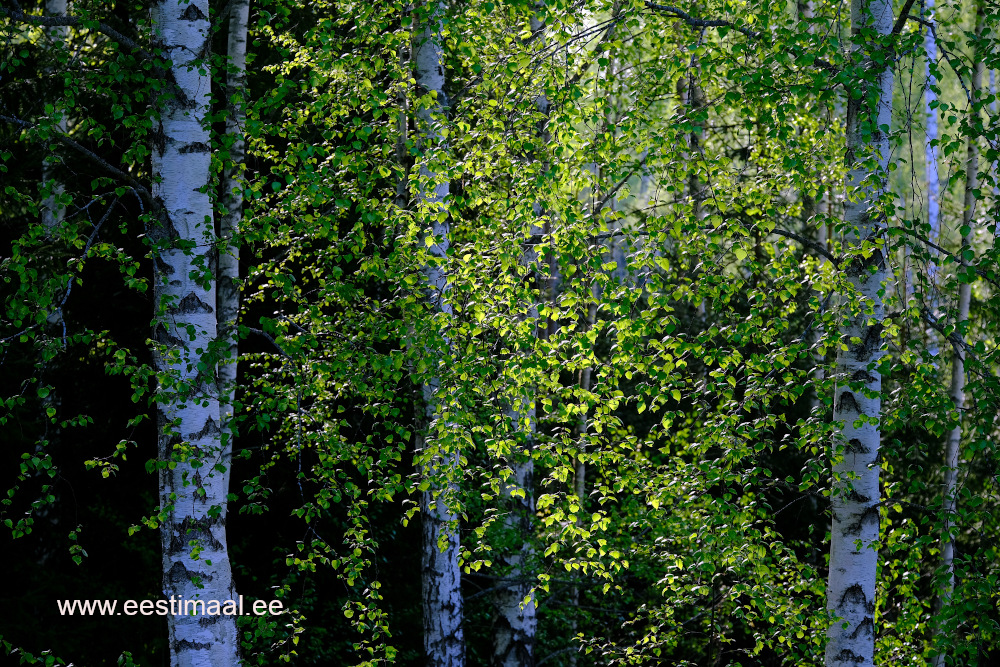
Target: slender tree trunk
[[691, 95], [192, 493], [930, 148], [516, 623], [954, 439], [580, 472], [931, 160], [444, 642], [819, 208], [232, 199], [857, 407], [52, 212]]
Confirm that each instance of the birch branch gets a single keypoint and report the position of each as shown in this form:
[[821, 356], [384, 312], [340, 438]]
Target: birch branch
[[17, 14]]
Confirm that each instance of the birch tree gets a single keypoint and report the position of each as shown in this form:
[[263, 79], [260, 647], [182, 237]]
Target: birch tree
[[516, 622], [851, 587], [53, 211], [444, 642], [953, 441], [228, 294], [193, 458]]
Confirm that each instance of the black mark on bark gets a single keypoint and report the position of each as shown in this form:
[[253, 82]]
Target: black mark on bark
[[195, 529], [863, 376], [210, 428], [864, 350], [192, 13], [848, 403], [165, 337], [159, 139], [867, 626], [192, 304], [847, 655], [194, 147], [855, 446], [162, 266]]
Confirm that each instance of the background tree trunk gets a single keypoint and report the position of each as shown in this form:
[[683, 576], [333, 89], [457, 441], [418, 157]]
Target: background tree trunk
[[516, 621], [931, 160], [52, 212], [232, 199], [444, 642], [954, 439]]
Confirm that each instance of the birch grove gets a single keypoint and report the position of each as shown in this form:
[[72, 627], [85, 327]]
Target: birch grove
[[567, 334]]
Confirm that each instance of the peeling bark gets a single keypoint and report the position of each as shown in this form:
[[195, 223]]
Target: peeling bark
[[192, 494]]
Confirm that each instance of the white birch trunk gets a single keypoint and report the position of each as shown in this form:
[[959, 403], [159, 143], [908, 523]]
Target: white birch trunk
[[954, 439], [441, 583], [931, 160], [193, 493], [52, 212], [228, 296], [515, 623], [930, 149], [856, 492], [993, 108]]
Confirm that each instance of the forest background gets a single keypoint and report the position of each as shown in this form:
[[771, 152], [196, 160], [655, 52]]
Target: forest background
[[568, 333]]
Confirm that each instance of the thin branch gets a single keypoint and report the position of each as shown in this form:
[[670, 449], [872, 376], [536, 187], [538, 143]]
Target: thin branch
[[69, 282], [93, 157], [618, 186], [701, 23], [904, 14], [696, 22], [76, 21], [554, 654], [808, 243], [960, 346], [270, 339], [923, 22], [934, 246]]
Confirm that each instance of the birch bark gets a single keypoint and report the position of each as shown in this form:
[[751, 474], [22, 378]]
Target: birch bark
[[514, 629], [954, 439], [857, 404], [192, 491], [52, 212], [516, 623], [444, 641], [228, 295], [52, 216], [931, 159]]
